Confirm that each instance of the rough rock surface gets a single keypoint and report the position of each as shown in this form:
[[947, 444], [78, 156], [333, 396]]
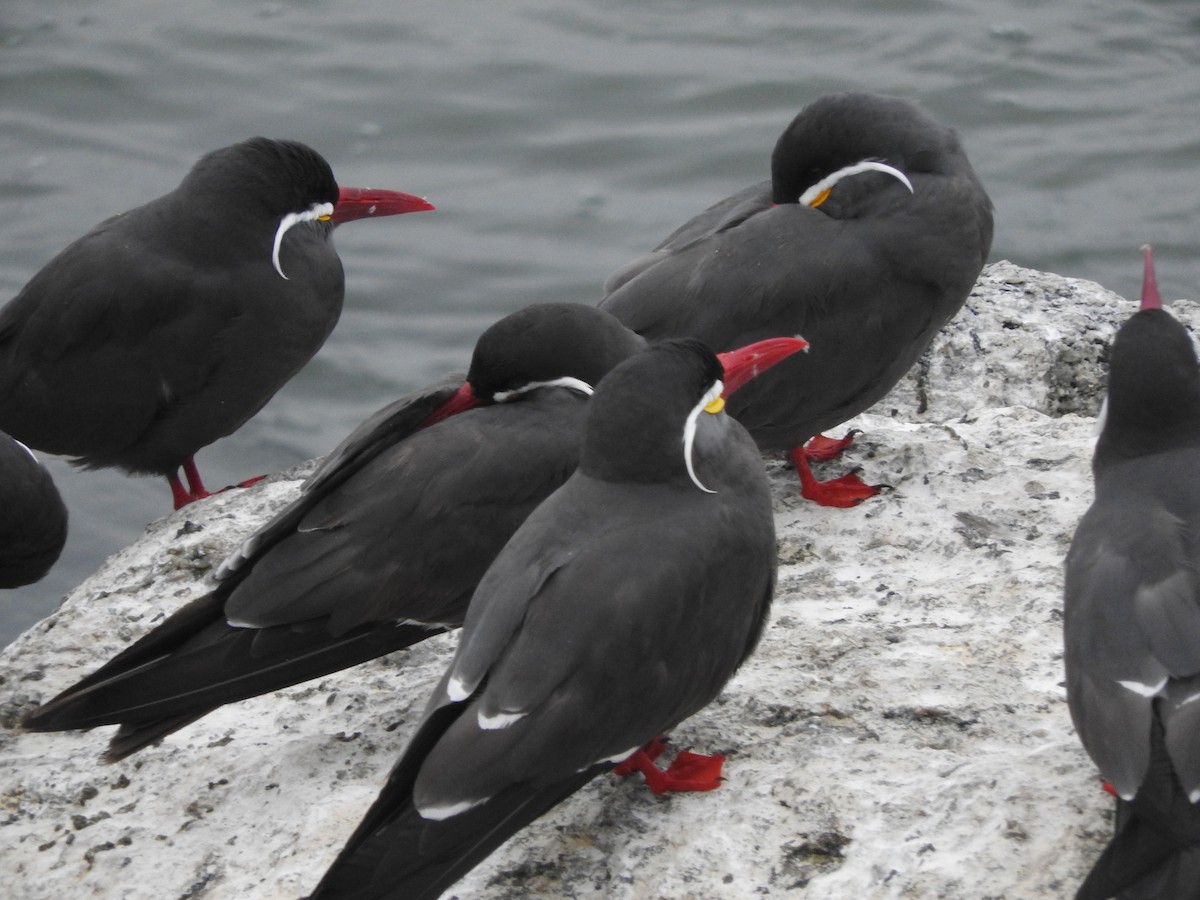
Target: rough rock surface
[[900, 732]]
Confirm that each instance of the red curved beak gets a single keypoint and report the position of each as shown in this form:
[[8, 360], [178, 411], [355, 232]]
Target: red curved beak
[[1150, 296], [462, 400], [746, 362], [363, 203]]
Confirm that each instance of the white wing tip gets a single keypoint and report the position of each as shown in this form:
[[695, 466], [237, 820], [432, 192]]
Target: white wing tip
[[440, 813], [1145, 690], [456, 690], [498, 721]]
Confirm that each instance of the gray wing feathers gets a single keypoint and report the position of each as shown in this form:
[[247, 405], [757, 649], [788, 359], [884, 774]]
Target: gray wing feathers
[[384, 428], [1132, 627], [539, 548], [562, 684], [1170, 616], [1182, 721]]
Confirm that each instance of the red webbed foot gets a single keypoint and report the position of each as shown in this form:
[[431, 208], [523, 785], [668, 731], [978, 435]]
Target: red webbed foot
[[821, 448], [845, 491], [687, 772], [651, 751], [249, 482]]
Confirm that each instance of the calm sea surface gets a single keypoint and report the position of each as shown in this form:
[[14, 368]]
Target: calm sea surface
[[558, 140]]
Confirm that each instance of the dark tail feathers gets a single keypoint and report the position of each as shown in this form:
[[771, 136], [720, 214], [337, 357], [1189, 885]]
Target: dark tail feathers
[[1142, 863], [394, 854]]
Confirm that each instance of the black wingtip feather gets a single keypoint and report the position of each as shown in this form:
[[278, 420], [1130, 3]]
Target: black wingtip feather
[[415, 859], [1133, 854], [395, 853], [223, 665], [129, 739]]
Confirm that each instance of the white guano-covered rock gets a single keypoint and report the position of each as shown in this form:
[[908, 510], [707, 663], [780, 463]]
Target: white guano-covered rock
[[901, 730]]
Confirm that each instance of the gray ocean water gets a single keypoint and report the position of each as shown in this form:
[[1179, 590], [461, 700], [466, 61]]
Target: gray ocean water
[[558, 140]]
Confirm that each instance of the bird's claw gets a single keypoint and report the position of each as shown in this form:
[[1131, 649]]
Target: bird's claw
[[844, 492], [687, 772]]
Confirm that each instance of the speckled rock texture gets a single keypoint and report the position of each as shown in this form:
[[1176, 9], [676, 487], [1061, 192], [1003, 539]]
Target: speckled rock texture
[[901, 731]]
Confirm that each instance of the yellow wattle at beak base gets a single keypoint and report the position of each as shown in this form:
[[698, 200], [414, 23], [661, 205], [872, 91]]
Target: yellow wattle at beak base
[[820, 198], [715, 405]]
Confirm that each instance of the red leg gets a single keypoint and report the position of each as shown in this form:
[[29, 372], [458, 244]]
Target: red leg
[[846, 491], [195, 487], [651, 752], [179, 493], [688, 772]]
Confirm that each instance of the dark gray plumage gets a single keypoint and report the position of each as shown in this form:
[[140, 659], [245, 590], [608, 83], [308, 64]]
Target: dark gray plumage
[[619, 608], [1132, 610], [168, 326], [385, 544], [868, 272], [33, 518]]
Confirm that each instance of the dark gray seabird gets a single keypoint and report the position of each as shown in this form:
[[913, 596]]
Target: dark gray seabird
[[386, 542], [33, 519], [867, 239], [1132, 611], [166, 327], [620, 607]]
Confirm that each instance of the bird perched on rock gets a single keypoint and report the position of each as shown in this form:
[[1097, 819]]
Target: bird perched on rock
[[166, 327], [386, 542], [33, 519], [1132, 610], [867, 239], [619, 608]]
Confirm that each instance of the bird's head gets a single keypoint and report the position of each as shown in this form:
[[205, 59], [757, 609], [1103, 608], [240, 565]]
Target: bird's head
[[287, 183], [651, 415], [549, 343], [851, 136], [543, 345], [1153, 400]]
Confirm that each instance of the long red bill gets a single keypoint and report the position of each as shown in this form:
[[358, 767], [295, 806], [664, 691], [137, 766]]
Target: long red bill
[[363, 203], [1150, 295], [464, 398], [746, 362]]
